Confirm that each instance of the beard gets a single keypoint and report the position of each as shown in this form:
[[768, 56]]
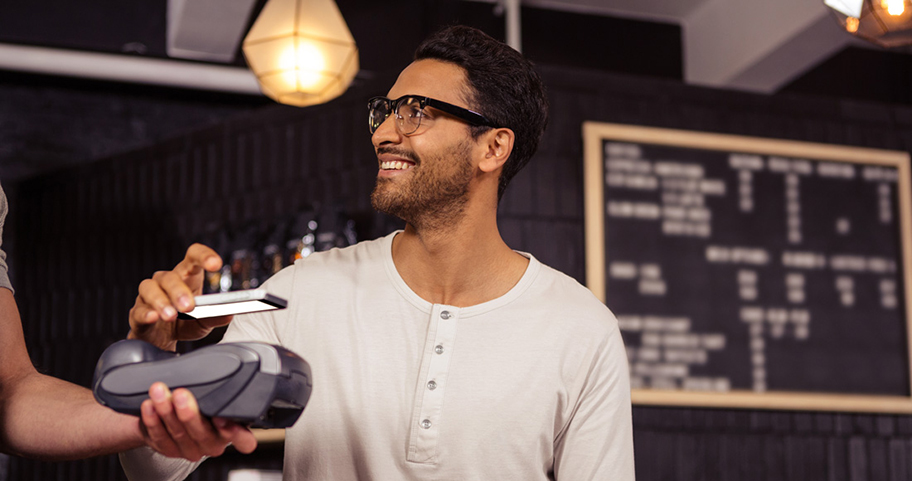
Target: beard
[[434, 193]]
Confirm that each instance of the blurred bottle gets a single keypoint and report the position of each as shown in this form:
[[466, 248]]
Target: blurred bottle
[[217, 240], [273, 259], [302, 236]]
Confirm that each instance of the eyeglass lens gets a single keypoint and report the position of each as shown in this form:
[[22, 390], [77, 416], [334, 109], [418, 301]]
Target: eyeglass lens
[[408, 114], [379, 110]]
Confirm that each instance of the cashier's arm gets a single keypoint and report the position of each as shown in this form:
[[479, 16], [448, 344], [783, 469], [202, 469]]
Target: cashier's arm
[[47, 418]]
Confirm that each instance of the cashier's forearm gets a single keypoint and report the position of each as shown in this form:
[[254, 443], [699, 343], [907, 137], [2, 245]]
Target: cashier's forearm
[[46, 418]]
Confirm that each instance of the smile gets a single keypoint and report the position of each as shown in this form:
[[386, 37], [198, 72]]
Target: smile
[[395, 165]]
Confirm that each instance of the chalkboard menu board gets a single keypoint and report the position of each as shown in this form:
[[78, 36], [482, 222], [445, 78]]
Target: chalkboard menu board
[[749, 272]]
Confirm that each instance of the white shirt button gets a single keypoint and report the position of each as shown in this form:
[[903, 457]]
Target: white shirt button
[[426, 424], [438, 349], [432, 385], [445, 315]]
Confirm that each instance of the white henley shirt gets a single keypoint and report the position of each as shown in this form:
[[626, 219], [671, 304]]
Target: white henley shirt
[[532, 385]]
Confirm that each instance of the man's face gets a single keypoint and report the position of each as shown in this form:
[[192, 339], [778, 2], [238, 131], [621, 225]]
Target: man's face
[[424, 178]]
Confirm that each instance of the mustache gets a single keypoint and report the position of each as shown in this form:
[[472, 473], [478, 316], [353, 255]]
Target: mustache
[[399, 152]]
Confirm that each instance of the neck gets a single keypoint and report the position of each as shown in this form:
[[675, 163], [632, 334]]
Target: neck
[[461, 264]]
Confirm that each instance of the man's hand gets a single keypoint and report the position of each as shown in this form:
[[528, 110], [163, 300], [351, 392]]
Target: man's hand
[[153, 317], [173, 426]]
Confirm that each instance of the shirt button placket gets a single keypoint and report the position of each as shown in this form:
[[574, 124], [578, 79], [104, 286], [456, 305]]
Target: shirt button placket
[[431, 400]]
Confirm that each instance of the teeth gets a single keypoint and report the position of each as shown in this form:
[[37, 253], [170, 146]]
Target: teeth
[[395, 165]]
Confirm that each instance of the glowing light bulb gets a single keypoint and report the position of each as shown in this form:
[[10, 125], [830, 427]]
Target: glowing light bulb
[[302, 51], [851, 24], [893, 7], [301, 65]]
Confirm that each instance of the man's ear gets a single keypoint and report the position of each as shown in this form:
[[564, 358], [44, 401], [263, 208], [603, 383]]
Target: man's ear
[[498, 144]]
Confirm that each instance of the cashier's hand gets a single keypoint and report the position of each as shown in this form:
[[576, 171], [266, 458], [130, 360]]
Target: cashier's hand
[[173, 426], [153, 317]]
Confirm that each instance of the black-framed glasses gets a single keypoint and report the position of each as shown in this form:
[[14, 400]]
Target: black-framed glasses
[[409, 111]]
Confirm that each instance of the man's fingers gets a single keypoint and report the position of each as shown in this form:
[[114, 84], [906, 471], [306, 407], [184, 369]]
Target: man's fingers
[[198, 258], [199, 429], [143, 314], [162, 401], [156, 433], [240, 437], [179, 293], [175, 427], [152, 295]]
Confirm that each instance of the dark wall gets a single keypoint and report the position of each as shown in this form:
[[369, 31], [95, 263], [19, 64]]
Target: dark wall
[[87, 236], [49, 123], [697, 444], [860, 73]]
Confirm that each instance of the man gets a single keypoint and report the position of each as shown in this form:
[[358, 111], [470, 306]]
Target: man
[[437, 352], [46, 418]]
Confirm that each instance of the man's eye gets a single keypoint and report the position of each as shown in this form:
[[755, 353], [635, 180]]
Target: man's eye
[[415, 114]]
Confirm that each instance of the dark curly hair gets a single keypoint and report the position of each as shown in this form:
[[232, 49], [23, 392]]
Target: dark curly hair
[[504, 88]]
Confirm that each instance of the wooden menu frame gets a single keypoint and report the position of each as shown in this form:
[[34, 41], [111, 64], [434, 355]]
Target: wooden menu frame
[[594, 135]]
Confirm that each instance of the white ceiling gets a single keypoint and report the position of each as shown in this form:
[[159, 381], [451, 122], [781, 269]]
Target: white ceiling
[[754, 45], [748, 44], [663, 10]]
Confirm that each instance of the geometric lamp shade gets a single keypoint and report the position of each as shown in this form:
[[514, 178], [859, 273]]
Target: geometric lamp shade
[[301, 51], [887, 23]]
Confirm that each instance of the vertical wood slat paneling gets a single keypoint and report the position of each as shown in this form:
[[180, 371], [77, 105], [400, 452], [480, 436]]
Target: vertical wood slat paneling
[[837, 464], [878, 459], [898, 459]]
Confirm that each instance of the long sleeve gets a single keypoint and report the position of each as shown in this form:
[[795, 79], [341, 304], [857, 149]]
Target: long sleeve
[[144, 464]]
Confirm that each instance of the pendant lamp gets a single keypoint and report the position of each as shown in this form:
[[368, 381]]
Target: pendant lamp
[[301, 51], [887, 23]]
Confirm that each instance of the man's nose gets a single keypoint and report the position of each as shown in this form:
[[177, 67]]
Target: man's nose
[[386, 132]]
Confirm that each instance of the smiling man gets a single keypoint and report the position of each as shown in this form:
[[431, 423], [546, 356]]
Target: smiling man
[[437, 351]]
